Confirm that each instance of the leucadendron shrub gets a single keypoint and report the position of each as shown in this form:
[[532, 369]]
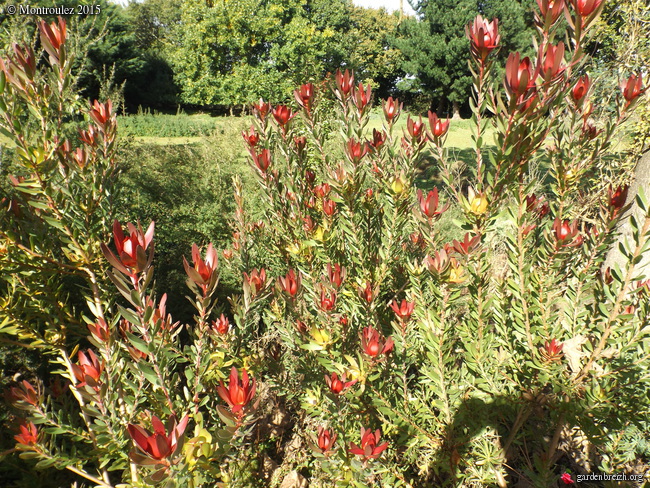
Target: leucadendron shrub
[[384, 354], [486, 360]]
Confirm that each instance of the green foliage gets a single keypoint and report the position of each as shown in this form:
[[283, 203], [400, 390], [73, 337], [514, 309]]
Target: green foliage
[[435, 48], [148, 124]]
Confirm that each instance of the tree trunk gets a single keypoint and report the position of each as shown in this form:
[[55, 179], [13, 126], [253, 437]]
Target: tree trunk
[[456, 109], [641, 180]]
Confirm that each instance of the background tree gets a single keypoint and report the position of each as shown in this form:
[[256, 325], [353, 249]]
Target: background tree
[[435, 48]]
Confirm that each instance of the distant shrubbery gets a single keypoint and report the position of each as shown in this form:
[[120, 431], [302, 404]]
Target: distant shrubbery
[[156, 124]]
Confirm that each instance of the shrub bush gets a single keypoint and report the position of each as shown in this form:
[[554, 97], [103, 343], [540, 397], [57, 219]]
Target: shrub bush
[[364, 348]]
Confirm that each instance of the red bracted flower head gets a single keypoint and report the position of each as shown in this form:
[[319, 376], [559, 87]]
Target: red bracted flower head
[[438, 263], [617, 197], [392, 109], [158, 445], [256, 281], [552, 351], [367, 292], [304, 96], [221, 325], [25, 393], [586, 7], [467, 245], [403, 310], [329, 207], [240, 391], [326, 441], [327, 300], [564, 230], [344, 81], [336, 384], [102, 113], [336, 275], [580, 89], [438, 127], [261, 109], [290, 284], [415, 129], [99, 330], [362, 96], [632, 88], [322, 190], [373, 344], [262, 160], [483, 36], [28, 434], [378, 138], [282, 115], [550, 9], [131, 257], [88, 370], [300, 142], [53, 37], [566, 479], [429, 205], [552, 62], [251, 136], [369, 445], [520, 75], [202, 273], [356, 150]]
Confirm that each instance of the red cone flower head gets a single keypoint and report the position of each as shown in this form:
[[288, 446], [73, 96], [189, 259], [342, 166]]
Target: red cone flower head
[[566, 479], [131, 257], [429, 205], [392, 108], [484, 36], [415, 128], [356, 150], [322, 190], [632, 87], [362, 96], [327, 300], [262, 160], [552, 350], [28, 434], [438, 127], [586, 7], [99, 330], [102, 113], [564, 230], [88, 370], [256, 280], [467, 245], [403, 310], [550, 9], [221, 325], [261, 109], [326, 440], [373, 344], [367, 292], [159, 445], [282, 115], [53, 35], [378, 138], [203, 270], [304, 96], [580, 90], [438, 263], [336, 384], [290, 284], [336, 275], [251, 136], [552, 62], [25, 393], [329, 207], [344, 81], [617, 198], [369, 445], [239, 392], [520, 75]]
